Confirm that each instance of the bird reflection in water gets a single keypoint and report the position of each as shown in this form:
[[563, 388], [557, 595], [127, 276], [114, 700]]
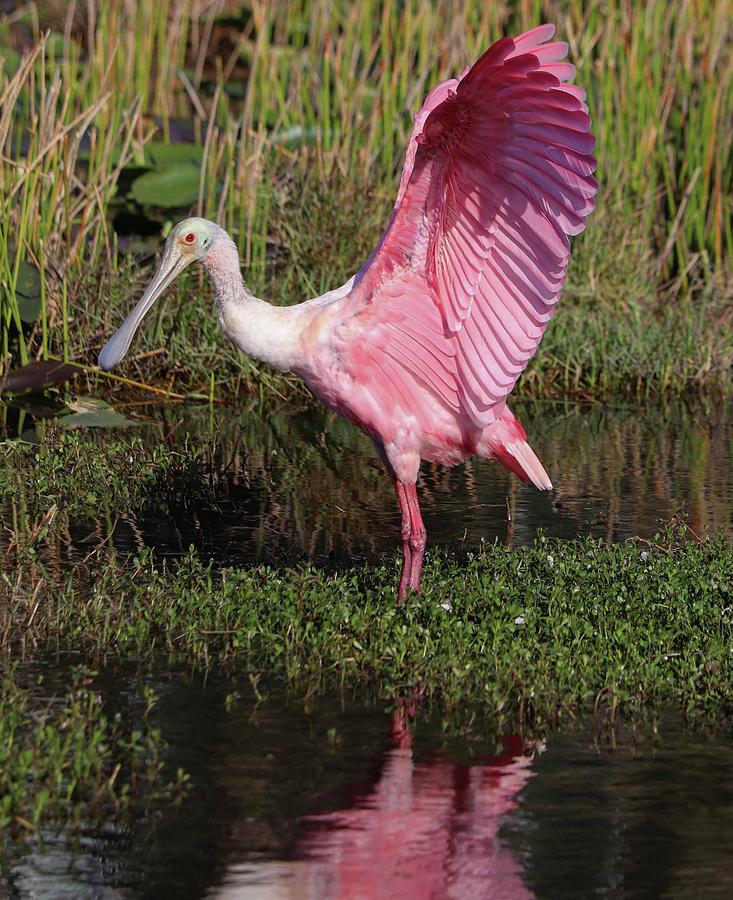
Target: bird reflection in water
[[426, 830]]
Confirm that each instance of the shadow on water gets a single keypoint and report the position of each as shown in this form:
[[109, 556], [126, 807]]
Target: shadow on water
[[290, 483], [338, 799]]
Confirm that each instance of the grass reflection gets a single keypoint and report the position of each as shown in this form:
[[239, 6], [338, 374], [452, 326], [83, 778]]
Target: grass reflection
[[297, 482]]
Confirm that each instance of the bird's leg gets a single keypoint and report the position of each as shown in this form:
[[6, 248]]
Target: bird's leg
[[418, 536], [401, 491], [401, 732]]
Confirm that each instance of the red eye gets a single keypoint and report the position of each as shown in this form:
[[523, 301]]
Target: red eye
[[190, 237]]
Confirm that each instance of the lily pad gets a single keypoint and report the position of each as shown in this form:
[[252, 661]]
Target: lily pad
[[296, 136], [89, 412], [29, 308], [161, 155], [38, 406], [28, 292], [37, 376], [169, 188], [29, 280]]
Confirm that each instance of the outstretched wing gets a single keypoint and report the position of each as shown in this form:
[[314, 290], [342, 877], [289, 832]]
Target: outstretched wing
[[498, 174]]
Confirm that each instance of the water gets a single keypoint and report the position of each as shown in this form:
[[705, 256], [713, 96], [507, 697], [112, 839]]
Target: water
[[344, 797], [293, 484]]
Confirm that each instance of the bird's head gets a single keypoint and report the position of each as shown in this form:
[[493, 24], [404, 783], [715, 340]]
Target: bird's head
[[190, 241]]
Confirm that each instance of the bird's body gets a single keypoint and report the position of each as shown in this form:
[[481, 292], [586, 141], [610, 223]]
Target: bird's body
[[422, 346]]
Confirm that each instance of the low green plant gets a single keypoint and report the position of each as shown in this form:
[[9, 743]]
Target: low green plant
[[540, 632], [64, 759]]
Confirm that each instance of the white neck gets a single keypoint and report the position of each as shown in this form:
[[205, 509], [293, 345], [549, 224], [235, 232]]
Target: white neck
[[268, 333]]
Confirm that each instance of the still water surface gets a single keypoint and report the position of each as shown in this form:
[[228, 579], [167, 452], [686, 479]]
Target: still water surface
[[346, 798], [306, 484], [295, 483]]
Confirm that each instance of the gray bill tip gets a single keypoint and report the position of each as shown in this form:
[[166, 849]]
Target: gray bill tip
[[113, 351]]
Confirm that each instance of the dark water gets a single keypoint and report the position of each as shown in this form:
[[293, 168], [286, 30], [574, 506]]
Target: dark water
[[307, 484], [294, 483], [344, 797], [341, 798]]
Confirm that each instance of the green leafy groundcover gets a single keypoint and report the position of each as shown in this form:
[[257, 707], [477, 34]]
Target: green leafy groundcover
[[71, 471], [63, 758], [540, 631]]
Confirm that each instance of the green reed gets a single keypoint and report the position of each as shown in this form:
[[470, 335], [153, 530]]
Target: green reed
[[314, 93]]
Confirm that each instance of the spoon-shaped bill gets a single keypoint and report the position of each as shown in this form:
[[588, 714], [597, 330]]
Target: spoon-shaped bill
[[172, 264]]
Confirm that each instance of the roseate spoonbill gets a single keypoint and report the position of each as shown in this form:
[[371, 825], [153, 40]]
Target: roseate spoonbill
[[422, 346]]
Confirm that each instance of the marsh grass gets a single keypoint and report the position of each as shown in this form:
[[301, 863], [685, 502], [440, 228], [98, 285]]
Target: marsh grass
[[63, 758], [303, 107], [540, 633]]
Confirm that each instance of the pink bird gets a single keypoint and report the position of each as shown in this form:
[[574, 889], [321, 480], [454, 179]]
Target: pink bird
[[423, 345]]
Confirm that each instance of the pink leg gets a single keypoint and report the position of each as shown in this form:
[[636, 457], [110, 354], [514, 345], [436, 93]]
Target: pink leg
[[418, 537], [402, 719], [401, 491], [401, 731]]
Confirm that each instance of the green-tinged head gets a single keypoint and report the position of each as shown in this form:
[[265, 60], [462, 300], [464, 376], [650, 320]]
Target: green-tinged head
[[190, 241]]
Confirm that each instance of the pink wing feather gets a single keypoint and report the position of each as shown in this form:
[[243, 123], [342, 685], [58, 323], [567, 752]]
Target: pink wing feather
[[498, 172]]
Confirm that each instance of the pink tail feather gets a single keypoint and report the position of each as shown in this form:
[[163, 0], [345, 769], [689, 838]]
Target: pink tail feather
[[527, 465], [506, 442]]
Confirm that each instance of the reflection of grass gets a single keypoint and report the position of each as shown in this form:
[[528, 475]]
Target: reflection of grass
[[304, 482], [648, 303], [642, 462]]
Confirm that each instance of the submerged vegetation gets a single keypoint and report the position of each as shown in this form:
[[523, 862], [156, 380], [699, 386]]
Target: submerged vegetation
[[287, 122]]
